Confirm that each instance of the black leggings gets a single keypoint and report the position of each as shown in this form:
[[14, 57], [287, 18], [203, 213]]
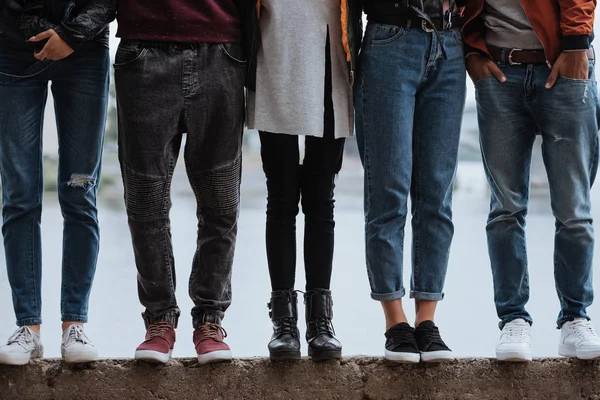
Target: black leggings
[[313, 182]]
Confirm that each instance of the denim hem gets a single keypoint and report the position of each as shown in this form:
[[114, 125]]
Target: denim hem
[[29, 321], [426, 296], [170, 317], [526, 318], [388, 296], [562, 321], [74, 318], [199, 318]]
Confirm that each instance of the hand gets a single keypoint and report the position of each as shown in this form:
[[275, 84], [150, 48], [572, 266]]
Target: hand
[[570, 64], [55, 48], [480, 67]]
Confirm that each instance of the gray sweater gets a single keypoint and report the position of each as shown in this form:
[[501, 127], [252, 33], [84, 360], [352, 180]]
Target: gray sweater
[[508, 26]]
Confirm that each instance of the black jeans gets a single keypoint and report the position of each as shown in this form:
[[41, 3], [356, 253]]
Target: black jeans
[[164, 90], [313, 181]]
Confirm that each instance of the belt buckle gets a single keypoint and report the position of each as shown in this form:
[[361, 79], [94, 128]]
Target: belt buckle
[[510, 54], [425, 27]]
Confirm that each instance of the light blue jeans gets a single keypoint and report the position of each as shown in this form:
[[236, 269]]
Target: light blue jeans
[[511, 114], [409, 103]]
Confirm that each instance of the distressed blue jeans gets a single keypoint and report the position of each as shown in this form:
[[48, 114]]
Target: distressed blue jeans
[[510, 115], [409, 103], [80, 90]]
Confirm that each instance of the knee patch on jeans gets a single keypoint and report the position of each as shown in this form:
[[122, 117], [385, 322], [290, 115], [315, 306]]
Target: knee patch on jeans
[[144, 196], [218, 190]]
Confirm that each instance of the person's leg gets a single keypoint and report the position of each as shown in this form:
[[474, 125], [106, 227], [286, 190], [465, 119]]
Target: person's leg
[[567, 118], [385, 104], [507, 133], [80, 88], [322, 162], [438, 117], [214, 118], [280, 158], [22, 103], [150, 104]]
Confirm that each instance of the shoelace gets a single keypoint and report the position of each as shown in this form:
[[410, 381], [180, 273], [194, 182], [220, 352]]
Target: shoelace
[[401, 335], [287, 325], [158, 329], [432, 334], [322, 326], [516, 334], [584, 330], [22, 336], [76, 334], [211, 330]]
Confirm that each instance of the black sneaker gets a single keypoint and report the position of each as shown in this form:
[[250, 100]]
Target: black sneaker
[[431, 345], [401, 345]]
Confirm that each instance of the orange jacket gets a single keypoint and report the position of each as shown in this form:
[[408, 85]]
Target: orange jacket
[[559, 24]]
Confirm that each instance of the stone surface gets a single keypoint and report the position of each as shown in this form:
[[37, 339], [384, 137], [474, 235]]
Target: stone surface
[[352, 379]]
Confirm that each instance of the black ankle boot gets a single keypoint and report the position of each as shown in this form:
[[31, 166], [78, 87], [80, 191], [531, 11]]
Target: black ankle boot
[[322, 344], [283, 310]]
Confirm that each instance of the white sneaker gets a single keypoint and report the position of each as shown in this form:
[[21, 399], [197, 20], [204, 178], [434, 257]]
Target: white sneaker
[[76, 347], [23, 346], [515, 342], [579, 339]]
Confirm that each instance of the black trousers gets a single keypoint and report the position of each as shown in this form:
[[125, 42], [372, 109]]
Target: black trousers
[[312, 184]]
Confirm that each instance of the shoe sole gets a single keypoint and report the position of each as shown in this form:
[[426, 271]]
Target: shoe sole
[[153, 356], [284, 355], [514, 356], [402, 358], [17, 359], [324, 355], [436, 356], [569, 351], [215, 357], [80, 357]]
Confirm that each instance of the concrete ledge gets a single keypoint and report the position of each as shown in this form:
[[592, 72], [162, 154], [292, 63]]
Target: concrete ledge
[[357, 378]]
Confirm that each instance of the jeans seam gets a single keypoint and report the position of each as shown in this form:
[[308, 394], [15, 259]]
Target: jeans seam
[[367, 169], [166, 191]]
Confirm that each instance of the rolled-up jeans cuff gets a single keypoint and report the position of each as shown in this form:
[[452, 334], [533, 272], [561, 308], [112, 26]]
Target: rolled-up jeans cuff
[[199, 318], [29, 321], [426, 296], [388, 296], [171, 317]]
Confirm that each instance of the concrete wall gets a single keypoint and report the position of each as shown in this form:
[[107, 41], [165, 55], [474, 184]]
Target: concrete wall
[[352, 379]]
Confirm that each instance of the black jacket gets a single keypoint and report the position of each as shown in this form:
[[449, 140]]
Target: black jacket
[[77, 21]]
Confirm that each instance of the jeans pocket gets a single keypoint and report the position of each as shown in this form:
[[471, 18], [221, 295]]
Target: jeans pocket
[[234, 52], [458, 36], [384, 34], [483, 80], [127, 55]]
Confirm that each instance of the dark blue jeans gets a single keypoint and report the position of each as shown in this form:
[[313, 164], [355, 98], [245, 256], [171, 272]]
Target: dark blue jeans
[[80, 90], [510, 115], [409, 102]]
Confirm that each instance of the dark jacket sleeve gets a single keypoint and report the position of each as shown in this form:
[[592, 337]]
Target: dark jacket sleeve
[[85, 22], [25, 21]]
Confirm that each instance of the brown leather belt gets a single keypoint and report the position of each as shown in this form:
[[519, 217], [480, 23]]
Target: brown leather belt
[[518, 56]]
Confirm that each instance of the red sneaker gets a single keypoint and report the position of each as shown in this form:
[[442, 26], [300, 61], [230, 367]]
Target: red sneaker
[[158, 346], [210, 347]]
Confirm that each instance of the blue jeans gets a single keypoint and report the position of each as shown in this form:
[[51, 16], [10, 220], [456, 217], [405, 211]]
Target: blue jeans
[[409, 103], [80, 90], [510, 115]]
